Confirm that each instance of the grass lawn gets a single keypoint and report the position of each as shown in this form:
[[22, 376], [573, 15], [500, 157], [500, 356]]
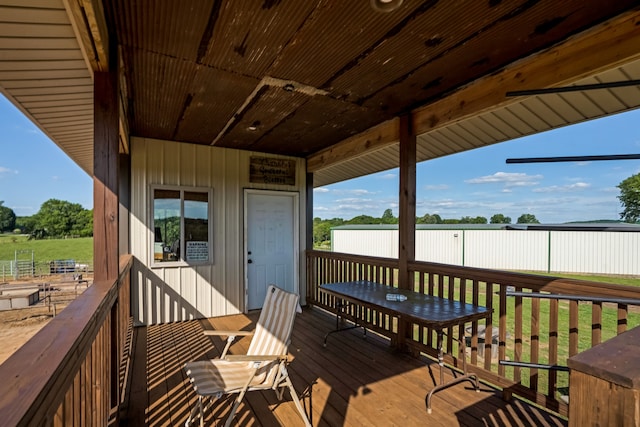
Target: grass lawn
[[608, 327], [80, 249]]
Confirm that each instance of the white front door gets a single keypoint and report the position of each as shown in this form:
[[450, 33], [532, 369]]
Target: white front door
[[271, 243]]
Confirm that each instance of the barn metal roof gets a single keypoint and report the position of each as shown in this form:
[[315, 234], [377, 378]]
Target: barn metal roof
[[325, 79]]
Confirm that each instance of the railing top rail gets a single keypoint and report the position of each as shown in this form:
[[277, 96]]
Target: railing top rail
[[533, 281], [582, 298], [508, 278], [380, 261], [42, 368]]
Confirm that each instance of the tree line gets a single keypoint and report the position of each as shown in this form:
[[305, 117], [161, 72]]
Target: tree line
[[55, 219], [629, 199], [322, 227], [59, 218]]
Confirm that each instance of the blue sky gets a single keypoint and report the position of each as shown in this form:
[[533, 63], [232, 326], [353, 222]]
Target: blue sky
[[480, 183], [475, 183], [33, 169]]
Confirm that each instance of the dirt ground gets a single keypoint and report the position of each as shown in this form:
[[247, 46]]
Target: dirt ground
[[17, 326]]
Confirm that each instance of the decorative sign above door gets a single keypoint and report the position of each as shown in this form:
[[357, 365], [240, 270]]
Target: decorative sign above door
[[267, 170]]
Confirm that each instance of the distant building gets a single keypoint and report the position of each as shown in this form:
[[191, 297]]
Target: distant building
[[594, 248]]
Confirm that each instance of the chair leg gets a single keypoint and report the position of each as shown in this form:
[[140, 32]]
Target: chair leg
[[195, 412], [296, 401], [201, 411], [234, 408]]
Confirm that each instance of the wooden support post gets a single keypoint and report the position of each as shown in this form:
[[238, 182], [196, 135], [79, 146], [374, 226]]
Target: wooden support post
[[105, 176], [124, 198], [407, 199], [308, 238], [106, 208], [309, 212]]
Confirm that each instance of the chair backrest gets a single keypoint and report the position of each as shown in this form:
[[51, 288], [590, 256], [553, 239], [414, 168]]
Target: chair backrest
[[275, 324]]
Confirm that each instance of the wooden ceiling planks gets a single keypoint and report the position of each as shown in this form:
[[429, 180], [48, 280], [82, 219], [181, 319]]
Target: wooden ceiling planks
[[192, 69], [374, 66]]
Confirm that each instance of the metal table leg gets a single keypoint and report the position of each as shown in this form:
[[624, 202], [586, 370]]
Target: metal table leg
[[466, 376], [340, 309]]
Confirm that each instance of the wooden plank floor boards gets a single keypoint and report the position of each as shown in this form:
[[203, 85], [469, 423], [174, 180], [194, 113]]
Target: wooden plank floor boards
[[354, 381]]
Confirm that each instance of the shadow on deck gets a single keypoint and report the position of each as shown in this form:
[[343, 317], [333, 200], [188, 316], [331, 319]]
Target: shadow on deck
[[354, 381]]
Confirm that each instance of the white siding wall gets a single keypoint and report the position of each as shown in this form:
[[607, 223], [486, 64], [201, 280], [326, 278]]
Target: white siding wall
[[507, 249], [383, 243], [444, 246], [610, 253], [556, 251], [169, 294]]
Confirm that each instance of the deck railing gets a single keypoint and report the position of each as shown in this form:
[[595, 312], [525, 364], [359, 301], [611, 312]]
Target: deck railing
[[73, 371], [539, 331]]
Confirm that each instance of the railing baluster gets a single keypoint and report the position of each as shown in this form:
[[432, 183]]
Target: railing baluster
[[488, 332], [474, 325], [596, 324], [502, 328], [535, 342], [449, 281], [573, 328], [517, 350], [553, 346], [623, 309]]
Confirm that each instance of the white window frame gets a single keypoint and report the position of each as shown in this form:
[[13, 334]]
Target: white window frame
[[151, 239]]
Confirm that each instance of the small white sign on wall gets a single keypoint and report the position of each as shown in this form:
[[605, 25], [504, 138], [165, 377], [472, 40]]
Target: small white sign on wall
[[197, 251]]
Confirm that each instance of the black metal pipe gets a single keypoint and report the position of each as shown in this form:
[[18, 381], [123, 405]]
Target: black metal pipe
[[534, 365], [575, 88], [575, 158]]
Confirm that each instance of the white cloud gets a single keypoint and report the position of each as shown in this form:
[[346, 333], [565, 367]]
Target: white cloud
[[508, 179], [578, 186], [321, 190], [4, 170], [352, 200], [436, 187], [355, 192], [389, 176]]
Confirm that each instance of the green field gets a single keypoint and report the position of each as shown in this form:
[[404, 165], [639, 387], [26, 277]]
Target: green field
[[80, 249], [608, 326]]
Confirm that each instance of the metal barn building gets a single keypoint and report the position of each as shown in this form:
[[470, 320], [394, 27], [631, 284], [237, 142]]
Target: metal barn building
[[598, 248]]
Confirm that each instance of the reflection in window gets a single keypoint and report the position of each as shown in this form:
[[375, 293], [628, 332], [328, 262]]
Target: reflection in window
[[181, 226], [196, 226]]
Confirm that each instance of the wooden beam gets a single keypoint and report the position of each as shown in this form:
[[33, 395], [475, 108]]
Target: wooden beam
[[376, 138], [105, 175], [407, 202], [89, 23], [602, 47], [608, 45]]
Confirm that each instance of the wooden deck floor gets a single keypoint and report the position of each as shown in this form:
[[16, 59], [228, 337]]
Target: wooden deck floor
[[352, 382]]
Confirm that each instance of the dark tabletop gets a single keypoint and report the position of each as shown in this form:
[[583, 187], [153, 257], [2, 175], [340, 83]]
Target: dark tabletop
[[433, 311]]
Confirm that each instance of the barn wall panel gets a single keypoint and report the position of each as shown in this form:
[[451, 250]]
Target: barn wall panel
[[506, 249]]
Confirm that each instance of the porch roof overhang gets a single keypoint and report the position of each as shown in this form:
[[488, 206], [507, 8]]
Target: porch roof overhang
[[323, 80]]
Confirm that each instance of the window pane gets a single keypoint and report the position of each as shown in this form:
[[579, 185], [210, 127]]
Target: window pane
[[166, 221], [196, 226]]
